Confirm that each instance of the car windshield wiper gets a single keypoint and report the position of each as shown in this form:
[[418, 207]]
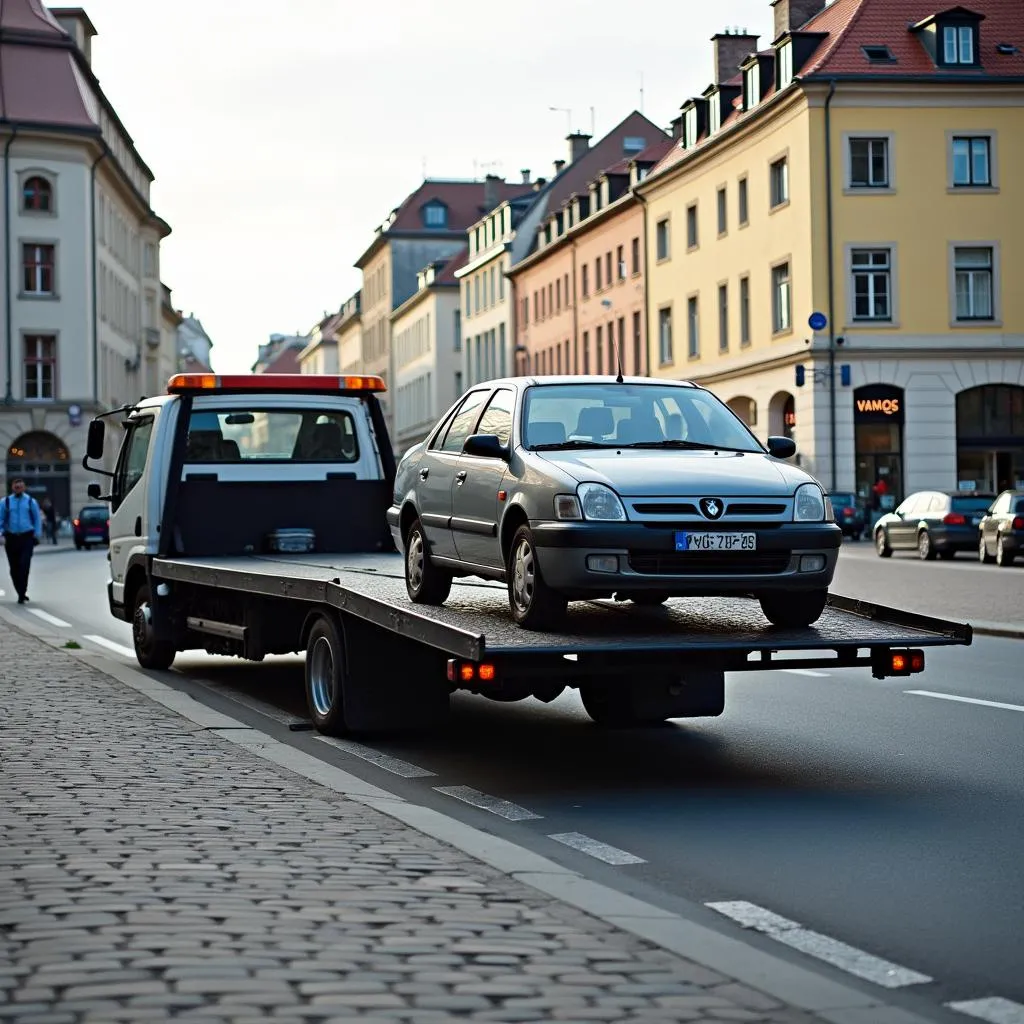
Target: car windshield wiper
[[693, 445], [556, 445]]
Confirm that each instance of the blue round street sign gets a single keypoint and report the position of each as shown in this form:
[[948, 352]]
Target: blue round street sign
[[818, 321]]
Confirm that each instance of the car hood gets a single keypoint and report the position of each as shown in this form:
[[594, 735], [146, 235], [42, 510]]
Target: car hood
[[662, 473]]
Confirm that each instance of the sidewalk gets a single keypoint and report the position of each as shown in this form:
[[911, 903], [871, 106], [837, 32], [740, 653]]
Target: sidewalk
[[155, 869]]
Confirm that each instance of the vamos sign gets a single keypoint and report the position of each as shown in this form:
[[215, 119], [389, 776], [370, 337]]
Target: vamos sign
[[887, 406], [878, 403]]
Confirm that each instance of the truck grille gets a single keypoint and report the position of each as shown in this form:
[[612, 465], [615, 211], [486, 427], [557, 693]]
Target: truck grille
[[714, 563]]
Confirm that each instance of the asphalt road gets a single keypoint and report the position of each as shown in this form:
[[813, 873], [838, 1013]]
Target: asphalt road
[[888, 820]]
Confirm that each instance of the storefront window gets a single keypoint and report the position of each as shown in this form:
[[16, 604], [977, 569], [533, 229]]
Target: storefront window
[[878, 442], [990, 438]]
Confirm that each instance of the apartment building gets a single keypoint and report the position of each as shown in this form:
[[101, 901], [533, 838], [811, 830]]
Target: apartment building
[[349, 334], [320, 354], [81, 302], [833, 242]]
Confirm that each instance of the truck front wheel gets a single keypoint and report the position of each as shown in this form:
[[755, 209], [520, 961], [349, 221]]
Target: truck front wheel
[[150, 652], [325, 677]]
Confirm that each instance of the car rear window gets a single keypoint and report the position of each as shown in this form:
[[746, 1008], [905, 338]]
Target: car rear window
[[843, 500], [1018, 508], [94, 514], [970, 504]]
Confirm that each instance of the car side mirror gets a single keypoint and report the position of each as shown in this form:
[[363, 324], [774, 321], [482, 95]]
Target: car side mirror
[[782, 447], [485, 446], [94, 441]]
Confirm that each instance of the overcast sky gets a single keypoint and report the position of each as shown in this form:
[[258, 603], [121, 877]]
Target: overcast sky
[[281, 133]]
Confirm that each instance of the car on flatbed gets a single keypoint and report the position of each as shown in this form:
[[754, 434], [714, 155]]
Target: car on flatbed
[[248, 518], [571, 488]]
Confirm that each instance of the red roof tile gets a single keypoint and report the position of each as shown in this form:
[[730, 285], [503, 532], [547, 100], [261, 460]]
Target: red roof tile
[[447, 274], [464, 199], [28, 16]]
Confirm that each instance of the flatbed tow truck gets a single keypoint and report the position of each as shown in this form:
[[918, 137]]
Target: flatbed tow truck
[[200, 560]]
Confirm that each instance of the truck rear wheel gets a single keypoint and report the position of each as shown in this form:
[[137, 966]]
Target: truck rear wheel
[[325, 677], [793, 609], [150, 652]]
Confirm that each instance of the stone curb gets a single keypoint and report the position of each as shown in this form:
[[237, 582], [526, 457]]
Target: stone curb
[[797, 986]]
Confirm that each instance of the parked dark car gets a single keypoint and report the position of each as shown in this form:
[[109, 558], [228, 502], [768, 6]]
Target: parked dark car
[[849, 514], [933, 523], [92, 526], [1001, 530]]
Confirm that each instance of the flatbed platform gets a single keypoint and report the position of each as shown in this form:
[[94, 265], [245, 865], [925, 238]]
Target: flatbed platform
[[476, 623]]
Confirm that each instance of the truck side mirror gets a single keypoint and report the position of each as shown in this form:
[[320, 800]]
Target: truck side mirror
[[94, 442], [781, 447], [93, 490]]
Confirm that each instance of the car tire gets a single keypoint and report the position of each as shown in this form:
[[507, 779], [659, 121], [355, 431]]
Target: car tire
[[1004, 558], [882, 544], [533, 603], [650, 598], [424, 581], [149, 651], [983, 556], [78, 546], [793, 608], [925, 548], [947, 554]]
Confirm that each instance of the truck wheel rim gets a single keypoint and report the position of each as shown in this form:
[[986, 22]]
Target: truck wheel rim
[[524, 573], [414, 560], [141, 626], [321, 677]]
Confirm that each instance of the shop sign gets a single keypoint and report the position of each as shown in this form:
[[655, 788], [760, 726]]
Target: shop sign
[[878, 403]]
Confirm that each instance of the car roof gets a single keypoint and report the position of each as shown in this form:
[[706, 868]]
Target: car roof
[[538, 380]]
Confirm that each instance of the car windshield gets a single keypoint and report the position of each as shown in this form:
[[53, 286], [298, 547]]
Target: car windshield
[[970, 504], [587, 415]]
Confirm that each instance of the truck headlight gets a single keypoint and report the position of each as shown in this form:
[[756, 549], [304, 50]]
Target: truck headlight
[[601, 503], [809, 504]]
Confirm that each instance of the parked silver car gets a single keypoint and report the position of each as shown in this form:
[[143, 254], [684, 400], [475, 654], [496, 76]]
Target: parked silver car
[[574, 488]]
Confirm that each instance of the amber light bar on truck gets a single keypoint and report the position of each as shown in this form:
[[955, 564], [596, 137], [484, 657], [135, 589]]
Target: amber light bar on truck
[[896, 663], [470, 671], [182, 382]]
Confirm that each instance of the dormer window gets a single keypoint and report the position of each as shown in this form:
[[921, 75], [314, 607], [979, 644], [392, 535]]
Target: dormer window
[[958, 44], [752, 86], [951, 37], [435, 215], [714, 112], [785, 65], [691, 127]]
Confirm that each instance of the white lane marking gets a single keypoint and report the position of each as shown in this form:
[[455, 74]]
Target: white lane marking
[[839, 954], [390, 764], [602, 851], [966, 700], [503, 808], [51, 619], [102, 641], [993, 1008], [805, 672]]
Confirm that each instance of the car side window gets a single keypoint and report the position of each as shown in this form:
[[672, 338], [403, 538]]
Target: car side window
[[497, 417], [911, 505], [938, 503], [463, 422], [1018, 509], [132, 462], [1000, 505]]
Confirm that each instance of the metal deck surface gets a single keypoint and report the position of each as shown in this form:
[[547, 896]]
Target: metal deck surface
[[477, 617]]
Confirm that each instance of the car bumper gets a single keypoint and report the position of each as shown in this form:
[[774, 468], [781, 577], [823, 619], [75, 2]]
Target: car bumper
[[798, 557], [955, 538]]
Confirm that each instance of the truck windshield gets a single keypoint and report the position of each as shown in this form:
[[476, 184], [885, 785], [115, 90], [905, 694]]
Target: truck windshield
[[271, 435], [639, 415]]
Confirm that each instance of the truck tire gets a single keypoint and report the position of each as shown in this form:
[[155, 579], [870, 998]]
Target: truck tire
[[150, 652], [424, 582], [611, 708], [793, 609], [631, 702], [534, 604], [325, 677]]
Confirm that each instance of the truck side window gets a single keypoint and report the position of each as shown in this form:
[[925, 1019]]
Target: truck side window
[[132, 461]]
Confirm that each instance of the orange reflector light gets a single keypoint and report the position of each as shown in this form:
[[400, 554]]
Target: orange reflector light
[[487, 673], [465, 673], [899, 663], [273, 382]]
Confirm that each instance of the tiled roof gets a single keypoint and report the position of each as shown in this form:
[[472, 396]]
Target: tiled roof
[[447, 274], [28, 16], [464, 200]]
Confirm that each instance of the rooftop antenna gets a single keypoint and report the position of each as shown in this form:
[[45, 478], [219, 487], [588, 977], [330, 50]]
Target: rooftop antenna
[[568, 116], [607, 304]]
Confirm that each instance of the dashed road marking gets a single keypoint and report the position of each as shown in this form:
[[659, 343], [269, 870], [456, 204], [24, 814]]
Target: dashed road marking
[[994, 1009], [51, 619], [966, 700], [390, 764], [502, 808], [832, 951], [102, 641], [602, 851], [805, 672]]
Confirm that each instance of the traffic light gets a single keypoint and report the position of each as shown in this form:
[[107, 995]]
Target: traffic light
[[800, 375]]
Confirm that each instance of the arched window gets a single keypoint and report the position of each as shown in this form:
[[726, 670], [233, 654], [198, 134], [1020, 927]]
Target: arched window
[[37, 194]]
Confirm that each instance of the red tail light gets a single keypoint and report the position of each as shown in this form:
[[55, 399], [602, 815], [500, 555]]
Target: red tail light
[[954, 519], [849, 511], [76, 522], [1018, 522]]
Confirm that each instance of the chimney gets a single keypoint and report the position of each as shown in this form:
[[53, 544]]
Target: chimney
[[791, 15], [730, 49], [525, 172], [559, 164], [76, 23], [579, 143], [539, 184], [491, 193]]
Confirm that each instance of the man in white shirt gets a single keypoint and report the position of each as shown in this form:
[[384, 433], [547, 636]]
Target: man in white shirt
[[21, 529]]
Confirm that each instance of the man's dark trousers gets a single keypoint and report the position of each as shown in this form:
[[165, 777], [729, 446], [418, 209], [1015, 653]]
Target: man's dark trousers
[[19, 548]]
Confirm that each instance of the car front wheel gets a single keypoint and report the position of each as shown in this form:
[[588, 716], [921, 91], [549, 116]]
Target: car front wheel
[[534, 604], [1003, 557], [983, 555], [882, 544], [925, 548], [424, 581], [793, 609]]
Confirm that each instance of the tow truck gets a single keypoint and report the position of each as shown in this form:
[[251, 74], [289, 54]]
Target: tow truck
[[248, 518]]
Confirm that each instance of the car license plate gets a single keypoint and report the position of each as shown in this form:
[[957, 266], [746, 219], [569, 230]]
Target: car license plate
[[700, 541]]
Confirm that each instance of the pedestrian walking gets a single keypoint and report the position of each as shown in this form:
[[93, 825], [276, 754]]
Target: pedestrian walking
[[21, 529], [50, 519]]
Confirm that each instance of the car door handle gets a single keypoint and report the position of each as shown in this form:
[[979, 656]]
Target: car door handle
[[424, 473], [461, 475], [138, 526]]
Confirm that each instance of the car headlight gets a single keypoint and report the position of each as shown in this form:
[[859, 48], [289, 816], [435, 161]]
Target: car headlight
[[600, 502], [809, 504]]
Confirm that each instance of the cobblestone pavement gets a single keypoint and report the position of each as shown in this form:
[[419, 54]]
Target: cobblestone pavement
[[152, 871]]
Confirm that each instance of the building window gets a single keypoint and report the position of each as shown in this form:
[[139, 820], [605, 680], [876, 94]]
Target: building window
[[973, 272], [597, 274], [608, 269], [38, 269], [665, 336], [785, 64], [692, 327], [435, 215], [714, 112], [37, 195], [743, 202], [723, 317], [958, 45], [690, 125], [636, 255], [782, 304], [779, 182], [585, 281], [662, 239], [972, 161], [692, 236], [752, 87], [599, 350], [586, 352], [558, 296], [872, 283], [638, 365], [744, 311], [723, 211], [869, 163], [40, 367], [620, 259]]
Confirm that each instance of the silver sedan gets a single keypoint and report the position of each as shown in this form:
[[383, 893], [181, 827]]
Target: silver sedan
[[575, 488]]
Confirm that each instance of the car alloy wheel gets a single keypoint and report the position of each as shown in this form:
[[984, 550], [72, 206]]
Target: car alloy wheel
[[534, 604], [424, 582], [983, 555], [925, 548], [1003, 557], [882, 544]]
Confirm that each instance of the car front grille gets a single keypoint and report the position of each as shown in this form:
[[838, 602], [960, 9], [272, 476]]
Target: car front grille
[[686, 508], [704, 563]]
